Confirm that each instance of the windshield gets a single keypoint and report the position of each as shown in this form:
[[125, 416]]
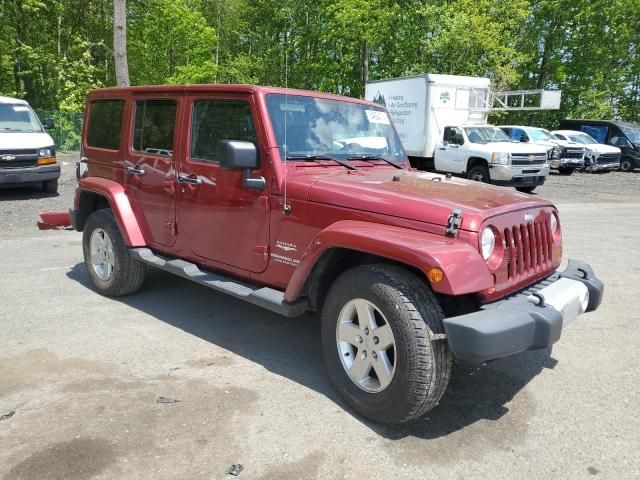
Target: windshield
[[633, 134], [18, 118], [340, 129], [539, 135], [584, 139], [486, 134]]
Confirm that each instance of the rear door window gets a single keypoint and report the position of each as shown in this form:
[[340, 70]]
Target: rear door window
[[216, 120], [154, 126], [105, 124]]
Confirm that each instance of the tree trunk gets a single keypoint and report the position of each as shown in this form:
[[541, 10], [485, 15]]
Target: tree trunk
[[365, 66], [120, 42]]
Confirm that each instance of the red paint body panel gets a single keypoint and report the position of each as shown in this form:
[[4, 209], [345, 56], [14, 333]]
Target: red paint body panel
[[115, 193], [49, 220], [464, 270], [225, 227]]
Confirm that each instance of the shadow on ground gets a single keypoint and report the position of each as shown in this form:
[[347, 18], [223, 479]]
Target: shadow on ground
[[24, 192], [291, 347]]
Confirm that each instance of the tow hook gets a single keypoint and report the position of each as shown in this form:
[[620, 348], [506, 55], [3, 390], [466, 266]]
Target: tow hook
[[454, 222]]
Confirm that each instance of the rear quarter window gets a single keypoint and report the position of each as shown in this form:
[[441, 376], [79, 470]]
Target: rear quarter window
[[105, 124]]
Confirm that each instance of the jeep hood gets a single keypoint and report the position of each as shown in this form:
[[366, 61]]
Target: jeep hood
[[418, 196]]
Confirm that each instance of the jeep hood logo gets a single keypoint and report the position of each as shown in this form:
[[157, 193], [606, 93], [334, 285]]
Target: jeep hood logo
[[528, 217]]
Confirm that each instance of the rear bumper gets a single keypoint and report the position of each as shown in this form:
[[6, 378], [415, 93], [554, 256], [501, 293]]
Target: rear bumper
[[29, 175], [530, 320]]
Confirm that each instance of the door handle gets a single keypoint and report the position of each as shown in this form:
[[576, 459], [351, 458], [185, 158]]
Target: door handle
[[189, 180], [442, 148], [135, 171]]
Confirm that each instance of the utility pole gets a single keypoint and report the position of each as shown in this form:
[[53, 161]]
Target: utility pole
[[120, 42]]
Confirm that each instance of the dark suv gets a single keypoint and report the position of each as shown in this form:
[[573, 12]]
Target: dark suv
[[624, 135]]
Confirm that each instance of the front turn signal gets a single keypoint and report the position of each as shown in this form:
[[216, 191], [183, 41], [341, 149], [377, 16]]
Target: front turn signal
[[47, 160], [435, 275]]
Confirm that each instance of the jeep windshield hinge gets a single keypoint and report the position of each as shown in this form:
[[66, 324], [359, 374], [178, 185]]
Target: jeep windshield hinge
[[454, 222]]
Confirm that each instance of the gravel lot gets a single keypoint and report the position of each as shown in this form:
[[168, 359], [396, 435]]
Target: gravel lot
[[83, 373]]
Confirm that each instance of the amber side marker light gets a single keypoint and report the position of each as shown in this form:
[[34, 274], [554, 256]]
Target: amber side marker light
[[435, 275], [47, 160]]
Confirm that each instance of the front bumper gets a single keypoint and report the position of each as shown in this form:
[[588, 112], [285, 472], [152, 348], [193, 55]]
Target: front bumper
[[566, 163], [518, 176], [606, 167], [529, 320], [29, 174]]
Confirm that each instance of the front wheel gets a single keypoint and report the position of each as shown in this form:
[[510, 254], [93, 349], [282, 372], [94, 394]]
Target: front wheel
[[627, 164], [479, 173], [526, 189], [112, 269], [383, 344]]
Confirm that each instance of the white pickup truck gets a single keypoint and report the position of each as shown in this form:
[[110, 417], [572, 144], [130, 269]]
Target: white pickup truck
[[486, 154]]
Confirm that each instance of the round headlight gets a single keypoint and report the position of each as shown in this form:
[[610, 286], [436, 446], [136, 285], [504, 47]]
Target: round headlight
[[487, 242], [554, 223]]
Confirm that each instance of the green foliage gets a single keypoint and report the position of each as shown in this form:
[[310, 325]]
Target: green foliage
[[53, 52]]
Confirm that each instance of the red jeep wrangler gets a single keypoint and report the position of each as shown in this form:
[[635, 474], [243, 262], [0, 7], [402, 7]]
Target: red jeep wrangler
[[305, 202]]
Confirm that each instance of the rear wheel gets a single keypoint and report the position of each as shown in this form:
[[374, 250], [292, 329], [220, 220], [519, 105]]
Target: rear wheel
[[626, 164], [479, 173], [526, 189], [50, 186], [112, 269], [381, 343]]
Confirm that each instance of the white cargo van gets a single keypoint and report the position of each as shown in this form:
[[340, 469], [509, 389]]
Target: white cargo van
[[441, 120], [27, 152]]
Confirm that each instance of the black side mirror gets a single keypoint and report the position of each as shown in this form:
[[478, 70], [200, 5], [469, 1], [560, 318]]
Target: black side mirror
[[239, 155], [48, 124]]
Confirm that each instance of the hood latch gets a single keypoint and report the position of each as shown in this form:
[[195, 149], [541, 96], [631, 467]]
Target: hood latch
[[454, 222]]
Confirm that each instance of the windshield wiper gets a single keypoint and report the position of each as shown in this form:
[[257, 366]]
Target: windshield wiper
[[375, 157], [313, 158]]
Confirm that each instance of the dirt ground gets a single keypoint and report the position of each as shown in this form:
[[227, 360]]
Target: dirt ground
[[179, 382]]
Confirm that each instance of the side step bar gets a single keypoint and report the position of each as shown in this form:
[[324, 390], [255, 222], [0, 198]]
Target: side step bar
[[261, 296]]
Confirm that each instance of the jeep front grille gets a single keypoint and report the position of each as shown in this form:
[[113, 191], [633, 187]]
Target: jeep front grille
[[528, 247]]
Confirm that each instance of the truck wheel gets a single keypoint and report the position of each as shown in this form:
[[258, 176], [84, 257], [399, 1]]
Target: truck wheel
[[526, 189], [479, 173], [50, 186], [112, 269], [565, 171], [626, 164], [379, 328]]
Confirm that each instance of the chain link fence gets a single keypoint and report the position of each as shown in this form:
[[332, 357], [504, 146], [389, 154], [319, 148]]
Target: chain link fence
[[68, 130]]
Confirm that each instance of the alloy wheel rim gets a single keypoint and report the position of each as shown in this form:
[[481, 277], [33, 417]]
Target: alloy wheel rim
[[102, 257], [366, 345]]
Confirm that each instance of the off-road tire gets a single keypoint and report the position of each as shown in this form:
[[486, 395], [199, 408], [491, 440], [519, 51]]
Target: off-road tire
[[50, 186], [128, 273], [479, 173], [422, 358], [626, 164], [526, 189]]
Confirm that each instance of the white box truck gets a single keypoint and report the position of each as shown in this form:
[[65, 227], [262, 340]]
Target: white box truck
[[442, 122]]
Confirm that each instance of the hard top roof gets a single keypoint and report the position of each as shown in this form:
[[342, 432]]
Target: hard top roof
[[221, 88]]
